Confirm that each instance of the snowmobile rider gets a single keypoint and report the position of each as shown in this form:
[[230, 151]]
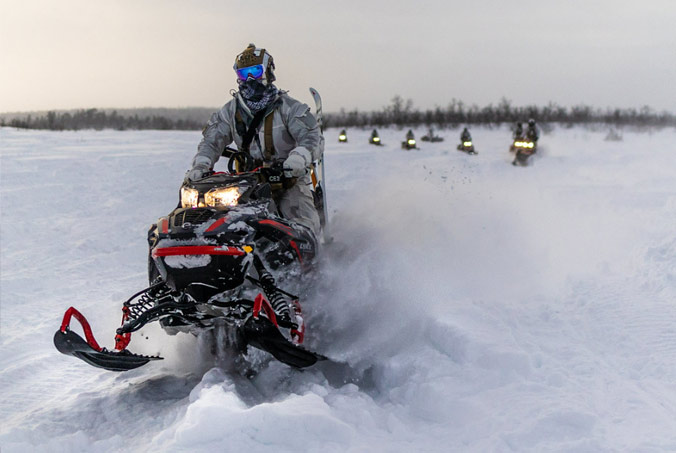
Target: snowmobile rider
[[465, 136], [518, 132], [532, 132], [285, 130]]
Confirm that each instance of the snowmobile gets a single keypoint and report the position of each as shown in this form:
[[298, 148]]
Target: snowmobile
[[342, 138], [430, 137], [217, 263], [467, 146], [523, 148], [409, 143], [375, 138]]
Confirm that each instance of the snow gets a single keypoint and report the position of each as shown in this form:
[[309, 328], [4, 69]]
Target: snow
[[468, 305]]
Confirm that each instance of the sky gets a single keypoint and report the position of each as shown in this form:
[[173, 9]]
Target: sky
[[359, 54]]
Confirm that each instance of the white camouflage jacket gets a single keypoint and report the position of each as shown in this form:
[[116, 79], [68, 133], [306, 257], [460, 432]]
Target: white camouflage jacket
[[294, 131]]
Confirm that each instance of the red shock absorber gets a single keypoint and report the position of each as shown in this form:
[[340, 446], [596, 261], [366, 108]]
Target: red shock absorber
[[122, 339]]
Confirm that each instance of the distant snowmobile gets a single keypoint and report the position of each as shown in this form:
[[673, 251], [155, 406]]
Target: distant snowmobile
[[342, 138], [430, 137], [409, 143], [466, 144], [375, 138], [523, 148], [467, 147], [216, 263], [613, 136]]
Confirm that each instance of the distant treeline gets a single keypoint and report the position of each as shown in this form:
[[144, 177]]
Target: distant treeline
[[402, 113], [398, 113], [100, 119]]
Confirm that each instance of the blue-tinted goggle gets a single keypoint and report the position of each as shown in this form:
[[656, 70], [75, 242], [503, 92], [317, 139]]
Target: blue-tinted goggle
[[256, 72]]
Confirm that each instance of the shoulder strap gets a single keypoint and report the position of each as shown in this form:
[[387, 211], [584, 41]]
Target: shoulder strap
[[251, 130], [269, 145]]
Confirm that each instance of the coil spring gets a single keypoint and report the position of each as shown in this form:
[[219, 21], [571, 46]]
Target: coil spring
[[276, 299], [149, 299]]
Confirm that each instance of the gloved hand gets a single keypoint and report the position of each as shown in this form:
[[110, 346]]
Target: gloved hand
[[195, 174], [294, 166]]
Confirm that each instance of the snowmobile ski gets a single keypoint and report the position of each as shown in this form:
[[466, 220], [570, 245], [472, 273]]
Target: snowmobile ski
[[69, 343], [320, 188], [261, 333]]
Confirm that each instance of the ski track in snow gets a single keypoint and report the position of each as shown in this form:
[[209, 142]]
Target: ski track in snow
[[467, 305]]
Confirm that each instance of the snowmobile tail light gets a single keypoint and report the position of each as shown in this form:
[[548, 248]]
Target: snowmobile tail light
[[189, 197], [251, 71], [226, 196], [467, 143]]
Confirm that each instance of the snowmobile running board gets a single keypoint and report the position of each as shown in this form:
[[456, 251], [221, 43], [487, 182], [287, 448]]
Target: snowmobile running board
[[69, 343]]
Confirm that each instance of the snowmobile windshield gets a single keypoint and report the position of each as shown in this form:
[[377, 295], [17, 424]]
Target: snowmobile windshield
[[256, 72]]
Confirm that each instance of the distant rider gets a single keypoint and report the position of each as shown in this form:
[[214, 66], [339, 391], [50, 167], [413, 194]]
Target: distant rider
[[285, 130], [532, 133], [465, 136], [518, 132]]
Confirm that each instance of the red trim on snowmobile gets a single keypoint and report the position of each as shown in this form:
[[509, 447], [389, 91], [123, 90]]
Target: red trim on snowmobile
[[164, 226], [295, 247], [262, 302], [65, 325], [217, 224], [198, 250], [277, 225]]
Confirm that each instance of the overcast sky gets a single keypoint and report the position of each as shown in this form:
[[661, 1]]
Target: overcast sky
[[61, 54]]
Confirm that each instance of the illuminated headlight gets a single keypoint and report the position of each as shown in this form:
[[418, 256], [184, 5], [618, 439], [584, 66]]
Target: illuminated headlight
[[189, 197], [528, 144], [376, 139], [467, 143], [518, 144], [342, 138], [225, 196], [411, 142]]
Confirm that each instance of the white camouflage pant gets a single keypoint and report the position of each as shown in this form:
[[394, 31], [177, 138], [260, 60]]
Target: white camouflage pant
[[298, 204]]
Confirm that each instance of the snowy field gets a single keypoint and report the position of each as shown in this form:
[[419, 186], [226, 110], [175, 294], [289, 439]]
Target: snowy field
[[468, 305]]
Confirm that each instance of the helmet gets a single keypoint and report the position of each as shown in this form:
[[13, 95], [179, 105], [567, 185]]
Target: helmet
[[255, 63], [531, 122]]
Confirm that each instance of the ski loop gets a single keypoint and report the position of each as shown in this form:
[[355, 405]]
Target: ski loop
[[89, 336]]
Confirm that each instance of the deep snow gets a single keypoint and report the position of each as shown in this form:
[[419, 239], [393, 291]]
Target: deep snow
[[469, 305]]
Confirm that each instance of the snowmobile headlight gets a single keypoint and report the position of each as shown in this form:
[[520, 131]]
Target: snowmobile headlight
[[342, 137], [411, 142], [376, 139], [225, 196], [467, 143], [189, 197]]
